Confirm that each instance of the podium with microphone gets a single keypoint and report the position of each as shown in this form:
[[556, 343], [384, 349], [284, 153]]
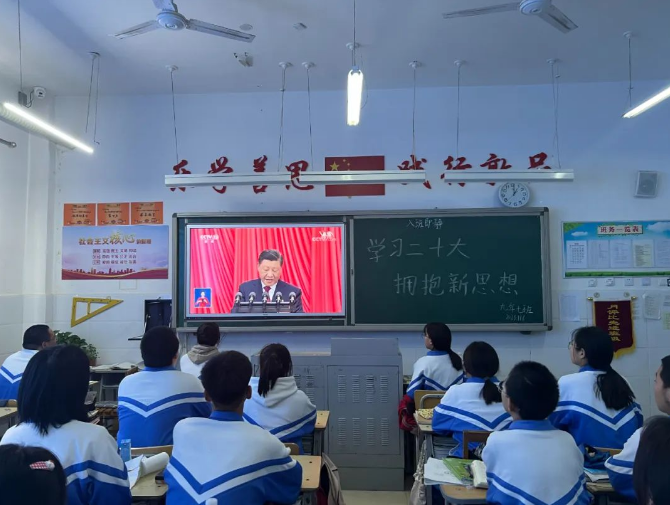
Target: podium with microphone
[[265, 305]]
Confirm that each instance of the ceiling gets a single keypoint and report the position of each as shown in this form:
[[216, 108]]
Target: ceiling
[[500, 49]]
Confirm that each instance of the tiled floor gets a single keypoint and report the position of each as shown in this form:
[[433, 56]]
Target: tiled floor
[[376, 497]]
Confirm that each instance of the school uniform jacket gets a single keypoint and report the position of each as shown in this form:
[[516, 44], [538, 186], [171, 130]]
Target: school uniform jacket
[[533, 463], [434, 372], [620, 467], [153, 401], [94, 471], [285, 411], [230, 460], [582, 414], [11, 372], [462, 408]]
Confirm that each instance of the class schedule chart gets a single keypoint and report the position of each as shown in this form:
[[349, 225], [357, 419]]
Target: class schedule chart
[[461, 269], [616, 249]]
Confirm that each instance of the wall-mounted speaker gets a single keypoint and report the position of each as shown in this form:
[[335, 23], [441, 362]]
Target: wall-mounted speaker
[[647, 184]]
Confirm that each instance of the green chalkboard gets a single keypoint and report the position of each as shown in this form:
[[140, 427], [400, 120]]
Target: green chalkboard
[[470, 269]]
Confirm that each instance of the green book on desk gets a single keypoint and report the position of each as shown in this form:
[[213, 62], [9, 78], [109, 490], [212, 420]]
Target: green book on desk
[[460, 468]]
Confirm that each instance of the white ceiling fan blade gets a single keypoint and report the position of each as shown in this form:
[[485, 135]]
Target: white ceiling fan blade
[[165, 5], [220, 31], [482, 10], [555, 17], [149, 26]]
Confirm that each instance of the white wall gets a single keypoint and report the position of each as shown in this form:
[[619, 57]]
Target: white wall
[[136, 151]]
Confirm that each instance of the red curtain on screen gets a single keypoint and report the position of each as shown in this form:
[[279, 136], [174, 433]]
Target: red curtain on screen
[[223, 258]]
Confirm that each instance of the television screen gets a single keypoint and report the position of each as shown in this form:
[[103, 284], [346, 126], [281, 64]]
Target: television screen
[[265, 270]]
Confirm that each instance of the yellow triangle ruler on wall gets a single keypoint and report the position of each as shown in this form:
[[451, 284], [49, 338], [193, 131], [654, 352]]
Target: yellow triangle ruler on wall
[[107, 303]]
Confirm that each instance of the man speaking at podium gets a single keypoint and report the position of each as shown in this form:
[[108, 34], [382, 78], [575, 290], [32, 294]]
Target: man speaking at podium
[[270, 263]]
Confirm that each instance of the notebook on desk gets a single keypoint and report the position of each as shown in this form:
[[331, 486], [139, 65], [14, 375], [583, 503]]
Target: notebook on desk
[[126, 365]]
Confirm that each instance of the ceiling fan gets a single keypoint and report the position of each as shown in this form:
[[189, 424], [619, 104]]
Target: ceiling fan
[[170, 19], [540, 8]]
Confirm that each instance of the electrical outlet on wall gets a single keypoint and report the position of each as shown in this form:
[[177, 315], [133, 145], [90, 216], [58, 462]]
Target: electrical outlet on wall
[[628, 281], [593, 283], [609, 282]]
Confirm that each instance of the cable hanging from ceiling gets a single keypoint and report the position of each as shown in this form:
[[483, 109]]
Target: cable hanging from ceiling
[[629, 36], [459, 64], [280, 154], [555, 95], [173, 69], [414, 65], [95, 72], [29, 103], [307, 66], [354, 82]]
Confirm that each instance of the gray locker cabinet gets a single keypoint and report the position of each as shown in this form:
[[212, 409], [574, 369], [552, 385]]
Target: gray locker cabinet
[[311, 380], [363, 411]]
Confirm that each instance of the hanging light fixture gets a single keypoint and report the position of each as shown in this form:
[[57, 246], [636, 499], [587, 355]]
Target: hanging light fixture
[[354, 83]]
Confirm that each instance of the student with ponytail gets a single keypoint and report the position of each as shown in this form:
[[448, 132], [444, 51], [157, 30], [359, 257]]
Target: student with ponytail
[[476, 404], [276, 404], [620, 467], [596, 406]]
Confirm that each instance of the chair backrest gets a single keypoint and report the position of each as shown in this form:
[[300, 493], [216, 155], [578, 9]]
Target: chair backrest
[[295, 450], [425, 399], [157, 449], [612, 452], [12, 404], [473, 437]]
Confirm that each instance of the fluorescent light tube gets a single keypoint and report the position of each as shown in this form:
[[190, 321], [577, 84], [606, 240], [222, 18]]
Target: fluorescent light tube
[[354, 96], [507, 176], [44, 128], [645, 106]]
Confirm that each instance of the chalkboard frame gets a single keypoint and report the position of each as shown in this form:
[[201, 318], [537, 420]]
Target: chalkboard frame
[[542, 213], [346, 324]]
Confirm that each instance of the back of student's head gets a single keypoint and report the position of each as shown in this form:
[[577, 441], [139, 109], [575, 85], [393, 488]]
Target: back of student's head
[[599, 351], [440, 335], [208, 334], [30, 475], [533, 390], [480, 360], [652, 464], [36, 336], [226, 377], [159, 347], [54, 387], [275, 363]]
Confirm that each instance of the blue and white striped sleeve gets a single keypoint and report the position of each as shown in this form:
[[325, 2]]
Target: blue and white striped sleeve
[[620, 467]]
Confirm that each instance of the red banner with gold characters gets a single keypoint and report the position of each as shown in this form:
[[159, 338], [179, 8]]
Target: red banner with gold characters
[[616, 318]]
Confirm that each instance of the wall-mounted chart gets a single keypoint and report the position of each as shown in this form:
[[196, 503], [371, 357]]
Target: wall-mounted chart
[[616, 249]]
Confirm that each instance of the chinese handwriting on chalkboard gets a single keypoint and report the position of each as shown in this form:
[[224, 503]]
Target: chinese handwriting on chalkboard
[[434, 223], [516, 313], [455, 284], [377, 246]]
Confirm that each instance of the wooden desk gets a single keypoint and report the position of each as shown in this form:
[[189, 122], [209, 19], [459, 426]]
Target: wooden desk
[[147, 489], [8, 415], [602, 492], [320, 427], [462, 494]]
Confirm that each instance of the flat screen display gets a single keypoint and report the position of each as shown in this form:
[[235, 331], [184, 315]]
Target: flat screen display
[[265, 270]]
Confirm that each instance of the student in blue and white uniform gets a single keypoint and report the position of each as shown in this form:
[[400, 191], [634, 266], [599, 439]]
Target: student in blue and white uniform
[[225, 458], [52, 415], [620, 467], [596, 406], [276, 404], [532, 462], [35, 338], [442, 367], [209, 337], [153, 401], [652, 464], [476, 404]]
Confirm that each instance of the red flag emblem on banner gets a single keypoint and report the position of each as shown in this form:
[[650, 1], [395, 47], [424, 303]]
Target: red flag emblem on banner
[[357, 163]]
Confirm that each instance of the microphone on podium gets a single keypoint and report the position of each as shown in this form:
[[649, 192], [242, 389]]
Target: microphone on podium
[[292, 297], [252, 297], [238, 298], [266, 297], [278, 297]]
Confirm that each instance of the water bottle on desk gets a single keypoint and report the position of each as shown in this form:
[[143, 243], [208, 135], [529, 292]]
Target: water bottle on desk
[[124, 449]]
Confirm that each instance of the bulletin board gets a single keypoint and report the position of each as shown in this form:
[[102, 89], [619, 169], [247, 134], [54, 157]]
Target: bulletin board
[[616, 249]]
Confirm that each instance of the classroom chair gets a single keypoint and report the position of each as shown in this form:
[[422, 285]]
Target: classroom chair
[[426, 399], [473, 437], [136, 451], [295, 450]]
